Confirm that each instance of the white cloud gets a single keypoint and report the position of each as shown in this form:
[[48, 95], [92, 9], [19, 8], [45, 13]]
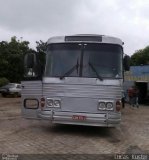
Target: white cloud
[[36, 19]]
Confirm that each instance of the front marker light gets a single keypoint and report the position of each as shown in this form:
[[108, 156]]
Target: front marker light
[[102, 106], [42, 102], [57, 103], [109, 106]]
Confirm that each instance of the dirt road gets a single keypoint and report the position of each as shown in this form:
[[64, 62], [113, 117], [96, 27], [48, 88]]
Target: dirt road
[[18, 135]]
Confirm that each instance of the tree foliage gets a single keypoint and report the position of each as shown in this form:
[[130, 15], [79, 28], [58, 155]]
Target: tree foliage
[[12, 54], [3, 81], [140, 57], [41, 46], [11, 59], [41, 51]]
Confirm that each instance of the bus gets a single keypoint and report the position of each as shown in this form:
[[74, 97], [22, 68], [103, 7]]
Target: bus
[[81, 82]]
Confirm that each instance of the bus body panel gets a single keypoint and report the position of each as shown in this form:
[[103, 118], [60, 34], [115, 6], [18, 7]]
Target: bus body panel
[[77, 97], [31, 95], [80, 97]]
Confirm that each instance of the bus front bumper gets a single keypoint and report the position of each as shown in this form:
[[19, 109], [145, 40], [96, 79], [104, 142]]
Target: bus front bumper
[[89, 119]]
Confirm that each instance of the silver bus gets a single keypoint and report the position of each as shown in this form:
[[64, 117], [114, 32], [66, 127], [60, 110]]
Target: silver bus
[[80, 84]]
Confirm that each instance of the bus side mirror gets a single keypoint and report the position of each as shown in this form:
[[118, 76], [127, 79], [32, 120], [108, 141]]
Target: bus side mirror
[[29, 60], [31, 65], [126, 63]]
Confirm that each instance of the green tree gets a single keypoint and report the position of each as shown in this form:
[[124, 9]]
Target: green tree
[[41, 46], [41, 51], [11, 59], [140, 57]]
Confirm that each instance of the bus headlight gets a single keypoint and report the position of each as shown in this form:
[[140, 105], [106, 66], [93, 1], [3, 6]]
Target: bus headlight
[[109, 106], [53, 103], [57, 103], [101, 106], [50, 102]]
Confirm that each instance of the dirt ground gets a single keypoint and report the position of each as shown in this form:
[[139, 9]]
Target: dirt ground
[[19, 135]]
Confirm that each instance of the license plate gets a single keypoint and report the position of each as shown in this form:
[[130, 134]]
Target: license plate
[[81, 118]]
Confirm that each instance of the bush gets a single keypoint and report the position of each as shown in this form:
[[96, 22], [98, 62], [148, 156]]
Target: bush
[[3, 81]]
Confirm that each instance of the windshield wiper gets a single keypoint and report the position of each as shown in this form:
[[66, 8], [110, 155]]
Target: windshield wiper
[[71, 70], [94, 69]]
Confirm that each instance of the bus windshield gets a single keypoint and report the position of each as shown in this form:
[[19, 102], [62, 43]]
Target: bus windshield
[[91, 60]]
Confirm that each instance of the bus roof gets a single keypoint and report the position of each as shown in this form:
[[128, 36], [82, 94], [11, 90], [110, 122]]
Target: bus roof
[[88, 38]]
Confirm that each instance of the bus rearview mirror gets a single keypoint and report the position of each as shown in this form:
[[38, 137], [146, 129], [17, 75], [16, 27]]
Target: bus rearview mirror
[[29, 60], [126, 63], [31, 65]]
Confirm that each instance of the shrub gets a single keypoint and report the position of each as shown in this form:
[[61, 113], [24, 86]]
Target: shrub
[[3, 81]]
